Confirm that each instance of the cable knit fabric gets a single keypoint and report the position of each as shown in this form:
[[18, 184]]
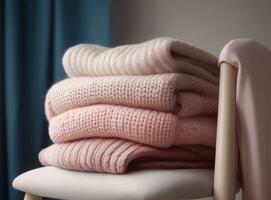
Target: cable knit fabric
[[141, 106], [116, 156], [157, 56], [180, 93], [143, 126]]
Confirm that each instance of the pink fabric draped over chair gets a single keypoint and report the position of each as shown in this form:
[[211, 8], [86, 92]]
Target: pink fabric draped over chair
[[253, 98]]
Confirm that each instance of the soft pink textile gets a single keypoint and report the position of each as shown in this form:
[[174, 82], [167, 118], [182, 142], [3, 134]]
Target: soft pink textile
[[182, 94], [253, 62], [139, 125], [157, 56], [161, 93], [116, 156], [178, 93]]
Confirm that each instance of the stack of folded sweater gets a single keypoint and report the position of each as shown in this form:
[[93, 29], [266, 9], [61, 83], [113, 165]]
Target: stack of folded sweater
[[148, 105]]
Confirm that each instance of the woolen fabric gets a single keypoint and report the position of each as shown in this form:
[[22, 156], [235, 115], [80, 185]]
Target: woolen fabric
[[116, 156], [159, 96], [157, 56], [182, 94]]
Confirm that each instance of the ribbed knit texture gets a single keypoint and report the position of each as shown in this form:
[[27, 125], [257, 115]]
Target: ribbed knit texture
[[143, 126], [116, 156], [157, 56], [148, 105], [180, 93]]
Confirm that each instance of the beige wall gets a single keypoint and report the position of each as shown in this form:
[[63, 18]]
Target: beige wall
[[208, 24]]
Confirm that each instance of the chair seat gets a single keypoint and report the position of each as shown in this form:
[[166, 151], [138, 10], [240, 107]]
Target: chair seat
[[147, 184]]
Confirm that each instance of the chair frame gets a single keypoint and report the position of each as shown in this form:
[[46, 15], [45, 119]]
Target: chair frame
[[225, 173]]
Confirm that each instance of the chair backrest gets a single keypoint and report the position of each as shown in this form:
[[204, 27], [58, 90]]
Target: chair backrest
[[226, 143]]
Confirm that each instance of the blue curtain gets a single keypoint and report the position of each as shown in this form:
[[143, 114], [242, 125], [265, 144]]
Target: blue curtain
[[34, 35]]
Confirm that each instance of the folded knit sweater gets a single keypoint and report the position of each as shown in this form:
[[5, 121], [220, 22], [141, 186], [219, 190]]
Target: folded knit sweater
[[133, 110], [161, 93], [157, 56], [117, 156], [178, 93], [139, 125]]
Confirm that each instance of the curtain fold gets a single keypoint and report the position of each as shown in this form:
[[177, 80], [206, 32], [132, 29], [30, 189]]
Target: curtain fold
[[33, 37]]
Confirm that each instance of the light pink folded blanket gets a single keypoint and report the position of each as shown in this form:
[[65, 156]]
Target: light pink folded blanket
[[157, 56], [178, 93], [118, 156]]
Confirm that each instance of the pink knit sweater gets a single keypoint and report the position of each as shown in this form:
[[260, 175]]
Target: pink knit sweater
[[180, 93], [116, 156], [157, 56], [143, 126], [161, 93]]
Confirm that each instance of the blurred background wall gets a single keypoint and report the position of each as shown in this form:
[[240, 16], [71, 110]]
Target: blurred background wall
[[208, 24]]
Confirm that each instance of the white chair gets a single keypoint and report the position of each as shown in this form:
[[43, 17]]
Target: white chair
[[150, 184]]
